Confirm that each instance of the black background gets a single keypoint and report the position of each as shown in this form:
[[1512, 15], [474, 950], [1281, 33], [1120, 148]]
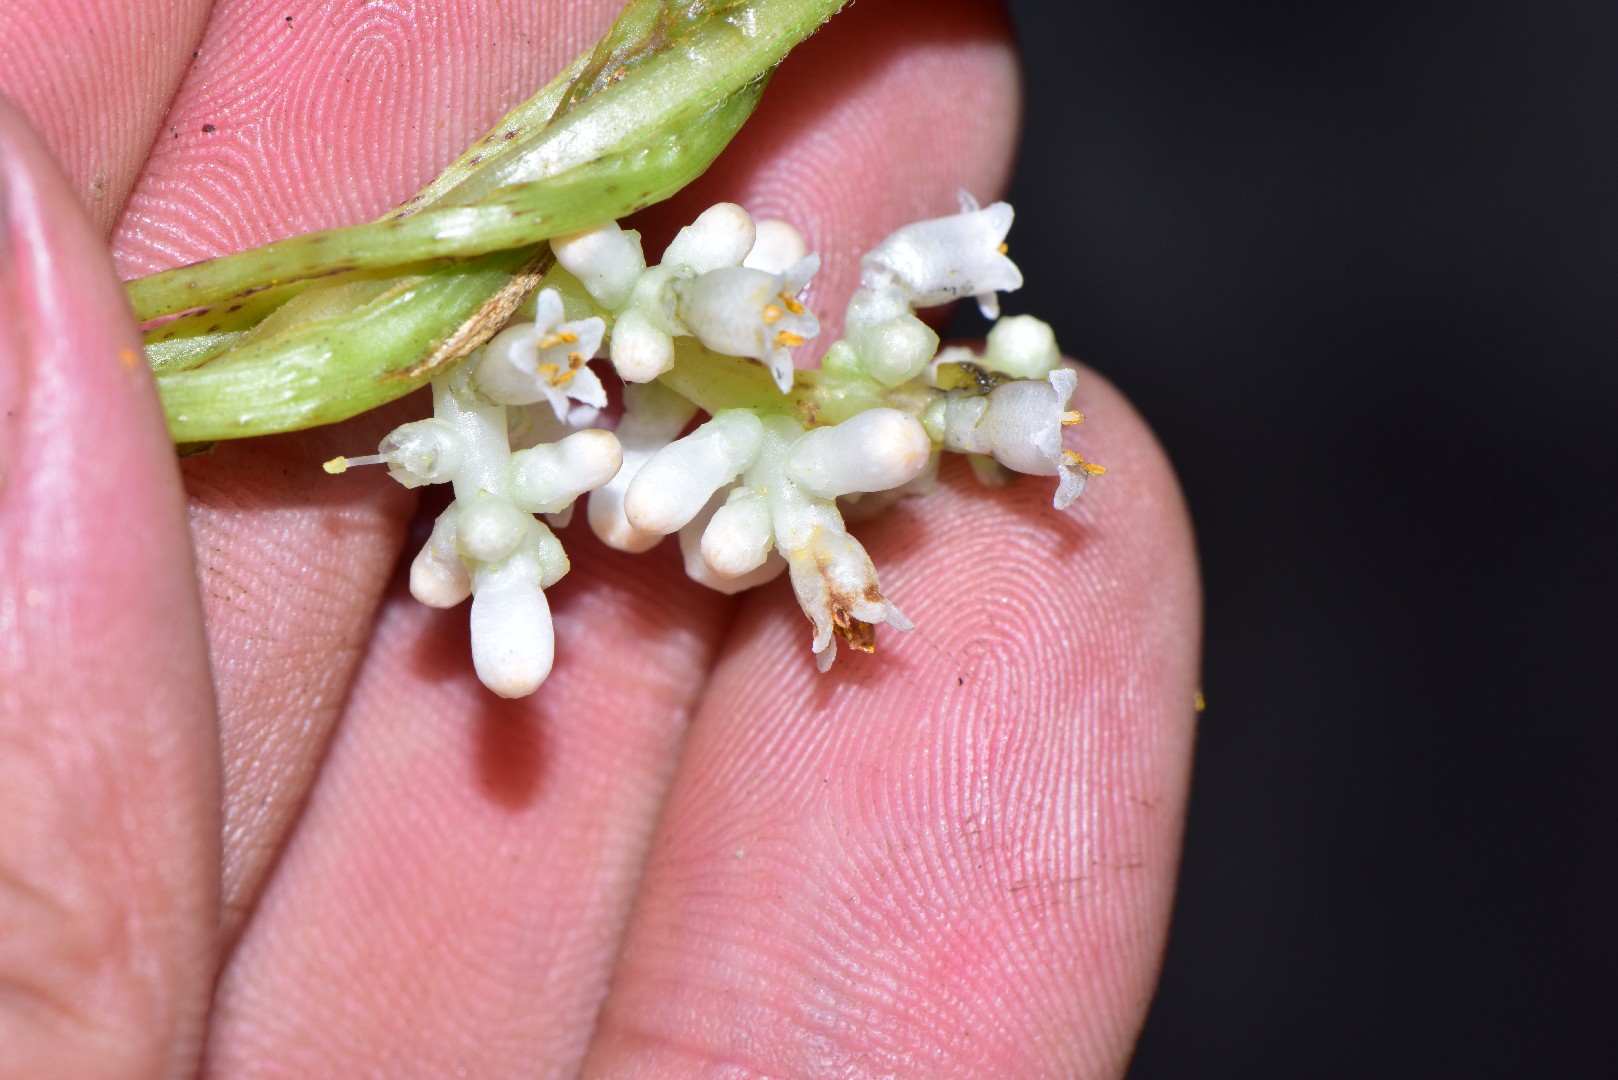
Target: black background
[[1355, 263]]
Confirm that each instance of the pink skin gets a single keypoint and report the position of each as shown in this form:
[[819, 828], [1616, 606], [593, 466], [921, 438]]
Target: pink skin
[[688, 853]]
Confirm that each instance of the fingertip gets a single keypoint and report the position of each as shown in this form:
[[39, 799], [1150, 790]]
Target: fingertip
[[110, 770]]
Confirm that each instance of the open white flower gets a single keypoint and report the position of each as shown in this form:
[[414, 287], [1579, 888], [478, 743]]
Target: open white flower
[[545, 360], [740, 311], [933, 262], [1020, 424]]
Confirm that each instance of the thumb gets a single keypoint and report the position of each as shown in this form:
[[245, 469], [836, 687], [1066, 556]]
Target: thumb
[[108, 758]]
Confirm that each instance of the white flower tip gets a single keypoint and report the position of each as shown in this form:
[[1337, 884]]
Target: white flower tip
[[605, 512], [607, 260], [778, 245], [1071, 486], [873, 451], [491, 528], [640, 351], [722, 235], [513, 641], [1022, 346], [436, 582]]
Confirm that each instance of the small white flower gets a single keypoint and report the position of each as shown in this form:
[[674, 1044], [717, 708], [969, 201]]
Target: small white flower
[[933, 262], [739, 311], [545, 360], [1020, 425], [837, 588]]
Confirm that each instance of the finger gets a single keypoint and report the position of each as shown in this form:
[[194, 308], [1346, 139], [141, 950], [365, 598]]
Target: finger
[[95, 78], [296, 118], [108, 774], [956, 857], [492, 942]]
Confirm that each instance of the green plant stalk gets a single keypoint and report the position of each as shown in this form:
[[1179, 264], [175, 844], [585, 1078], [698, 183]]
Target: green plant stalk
[[626, 145], [624, 126]]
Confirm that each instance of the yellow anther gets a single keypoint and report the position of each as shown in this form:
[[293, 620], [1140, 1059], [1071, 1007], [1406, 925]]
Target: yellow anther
[[1078, 462], [773, 314], [1004, 249], [336, 465], [792, 304], [566, 337], [787, 339], [1071, 418]]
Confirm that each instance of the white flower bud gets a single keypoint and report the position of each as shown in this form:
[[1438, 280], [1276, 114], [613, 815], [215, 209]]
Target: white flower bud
[[722, 235], [694, 542], [873, 451], [673, 486], [640, 351], [513, 641], [607, 260], [547, 478], [438, 578], [779, 245], [898, 350], [424, 452], [1022, 346], [738, 538], [491, 528], [943, 259], [743, 312]]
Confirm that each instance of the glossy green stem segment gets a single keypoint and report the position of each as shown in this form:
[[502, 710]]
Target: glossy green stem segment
[[305, 376], [713, 382], [635, 134]]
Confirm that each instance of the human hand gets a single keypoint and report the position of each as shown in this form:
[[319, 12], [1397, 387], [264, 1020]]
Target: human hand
[[252, 796]]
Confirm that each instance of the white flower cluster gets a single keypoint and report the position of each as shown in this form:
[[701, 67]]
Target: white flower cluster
[[725, 280], [752, 491]]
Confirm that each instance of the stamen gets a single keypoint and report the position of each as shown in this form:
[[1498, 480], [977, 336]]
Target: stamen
[[787, 339], [773, 314], [1004, 248], [1071, 418], [791, 304], [1078, 462], [564, 337], [338, 465]]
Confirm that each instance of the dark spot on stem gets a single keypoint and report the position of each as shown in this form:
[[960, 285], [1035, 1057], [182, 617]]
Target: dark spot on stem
[[233, 308], [209, 129]]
